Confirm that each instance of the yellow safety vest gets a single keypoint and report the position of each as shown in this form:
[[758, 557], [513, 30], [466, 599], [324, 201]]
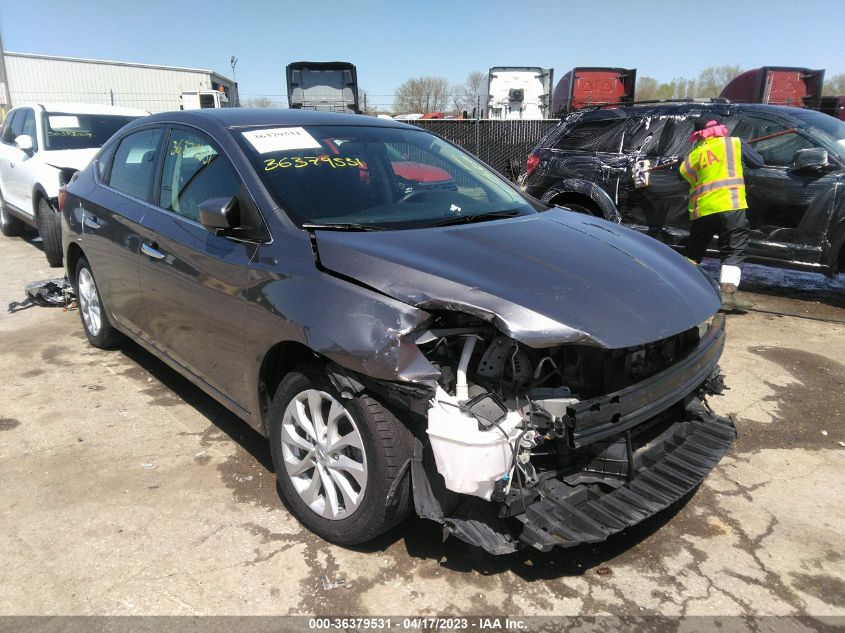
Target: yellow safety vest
[[714, 171]]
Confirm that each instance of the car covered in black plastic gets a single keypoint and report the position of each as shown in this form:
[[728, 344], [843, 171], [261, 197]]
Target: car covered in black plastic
[[521, 374], [796, 208]]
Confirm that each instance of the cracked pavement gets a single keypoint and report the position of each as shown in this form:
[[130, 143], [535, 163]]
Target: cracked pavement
[[128, 491]]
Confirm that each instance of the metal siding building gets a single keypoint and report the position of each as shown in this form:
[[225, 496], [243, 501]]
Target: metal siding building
[[48, 79]]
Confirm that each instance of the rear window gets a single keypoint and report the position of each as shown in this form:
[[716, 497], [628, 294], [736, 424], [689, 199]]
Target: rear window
[[80, 131], [594, 136], [134, 162], [376, 176]]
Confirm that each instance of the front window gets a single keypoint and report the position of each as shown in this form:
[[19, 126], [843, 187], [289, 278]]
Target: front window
[[777, 143], [194, 171], [80, 131], [828, 125], [376, 177]]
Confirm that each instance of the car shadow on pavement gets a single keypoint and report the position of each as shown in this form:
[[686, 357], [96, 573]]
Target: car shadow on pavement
[[423, 539], [231, 425]]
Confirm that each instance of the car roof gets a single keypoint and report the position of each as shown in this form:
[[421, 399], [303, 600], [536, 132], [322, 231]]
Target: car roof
[[249, 117], [688, 109], [86, 108]]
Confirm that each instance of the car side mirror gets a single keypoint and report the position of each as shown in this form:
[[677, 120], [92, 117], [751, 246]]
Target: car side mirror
[[220, 215], [24, 143], [811, 159]]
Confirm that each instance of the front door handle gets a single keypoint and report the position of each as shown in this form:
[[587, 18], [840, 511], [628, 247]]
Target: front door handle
[[151, 250]]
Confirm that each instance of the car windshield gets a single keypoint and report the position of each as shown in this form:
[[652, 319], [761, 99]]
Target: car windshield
[[80, 131], [376, 177], [831, 126]]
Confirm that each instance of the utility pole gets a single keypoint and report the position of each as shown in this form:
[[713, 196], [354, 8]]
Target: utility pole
[[5, 96], [233, 61]]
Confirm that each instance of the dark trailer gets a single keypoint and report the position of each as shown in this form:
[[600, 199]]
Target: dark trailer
[[324, 86]]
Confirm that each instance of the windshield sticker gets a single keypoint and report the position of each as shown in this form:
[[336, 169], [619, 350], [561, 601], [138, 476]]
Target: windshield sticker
[[298, 161], [198, 151], [280, 139], [63, 121], [70, 133]]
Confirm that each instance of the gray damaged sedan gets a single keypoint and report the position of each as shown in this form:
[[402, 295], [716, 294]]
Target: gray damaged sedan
[[408, 330]]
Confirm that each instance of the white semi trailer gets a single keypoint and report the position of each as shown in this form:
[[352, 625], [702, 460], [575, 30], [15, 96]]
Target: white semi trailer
[[518, 92]]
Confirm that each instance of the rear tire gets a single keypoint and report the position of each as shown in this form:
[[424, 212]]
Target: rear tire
[[95, 320], [10, 226], [356, 510], [50, 227]]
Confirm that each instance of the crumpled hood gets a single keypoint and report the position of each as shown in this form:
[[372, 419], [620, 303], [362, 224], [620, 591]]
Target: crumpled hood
[[72, 158], [543, 279]]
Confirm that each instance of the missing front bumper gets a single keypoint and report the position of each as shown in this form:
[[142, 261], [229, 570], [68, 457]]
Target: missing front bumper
[[665, 470], [568, 515]]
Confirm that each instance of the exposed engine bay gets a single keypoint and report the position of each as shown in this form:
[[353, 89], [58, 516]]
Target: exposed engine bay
[[528, 428]]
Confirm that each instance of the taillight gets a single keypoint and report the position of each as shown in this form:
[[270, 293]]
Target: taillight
[[62, 198], [531, 164]]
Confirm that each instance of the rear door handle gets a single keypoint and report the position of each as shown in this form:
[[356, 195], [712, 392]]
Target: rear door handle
[[151, 250]]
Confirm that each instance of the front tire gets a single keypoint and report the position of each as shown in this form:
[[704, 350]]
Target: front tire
[[579, 207], [95, 321], [10, 226], [336, 459], [50, 227]]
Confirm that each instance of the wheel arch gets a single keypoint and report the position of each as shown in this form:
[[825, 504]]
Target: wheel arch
[[282, 358], [38, 192], [72, 256], [574, 189]]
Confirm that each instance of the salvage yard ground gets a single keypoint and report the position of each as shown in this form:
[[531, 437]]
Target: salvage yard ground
[[128, 491]]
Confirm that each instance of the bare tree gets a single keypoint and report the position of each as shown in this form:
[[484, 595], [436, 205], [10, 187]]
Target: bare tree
[[678, 88], [834, 86], [423, 94], [713, 79], [468, 94], [649, 89], [646, 88], [363, 97], [259, 102]]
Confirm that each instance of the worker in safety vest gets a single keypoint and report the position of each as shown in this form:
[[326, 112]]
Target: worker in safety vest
[[717, 202]]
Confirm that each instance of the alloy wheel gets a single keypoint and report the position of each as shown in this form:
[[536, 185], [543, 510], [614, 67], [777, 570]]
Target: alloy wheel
[[324, 454], [89, 302]]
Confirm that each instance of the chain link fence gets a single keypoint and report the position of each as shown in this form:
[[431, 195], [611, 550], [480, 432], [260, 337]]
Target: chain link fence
[[504, 145]]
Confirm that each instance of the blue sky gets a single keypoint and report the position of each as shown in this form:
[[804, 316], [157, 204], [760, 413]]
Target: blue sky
[[393, 41]]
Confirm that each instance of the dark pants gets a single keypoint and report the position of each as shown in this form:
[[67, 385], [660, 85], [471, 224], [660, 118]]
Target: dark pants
[[732, 229]]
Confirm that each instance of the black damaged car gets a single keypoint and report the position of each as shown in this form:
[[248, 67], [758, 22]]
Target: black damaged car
[[588, 163], [520, 374]]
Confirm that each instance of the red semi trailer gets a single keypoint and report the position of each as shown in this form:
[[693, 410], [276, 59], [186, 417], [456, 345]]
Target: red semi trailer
[[584, 86], [777, 85]]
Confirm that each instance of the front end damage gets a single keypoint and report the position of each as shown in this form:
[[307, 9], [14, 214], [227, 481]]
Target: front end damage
[[556, 446]]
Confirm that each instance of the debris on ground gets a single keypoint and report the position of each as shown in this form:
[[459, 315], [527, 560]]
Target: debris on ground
[[149, 466], [604, 570], [328, 585], [49, 293]]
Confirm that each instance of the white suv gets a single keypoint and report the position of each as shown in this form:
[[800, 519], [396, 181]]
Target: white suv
[[41, 146]]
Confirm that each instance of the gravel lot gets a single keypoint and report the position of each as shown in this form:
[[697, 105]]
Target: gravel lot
[[128, 491]]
